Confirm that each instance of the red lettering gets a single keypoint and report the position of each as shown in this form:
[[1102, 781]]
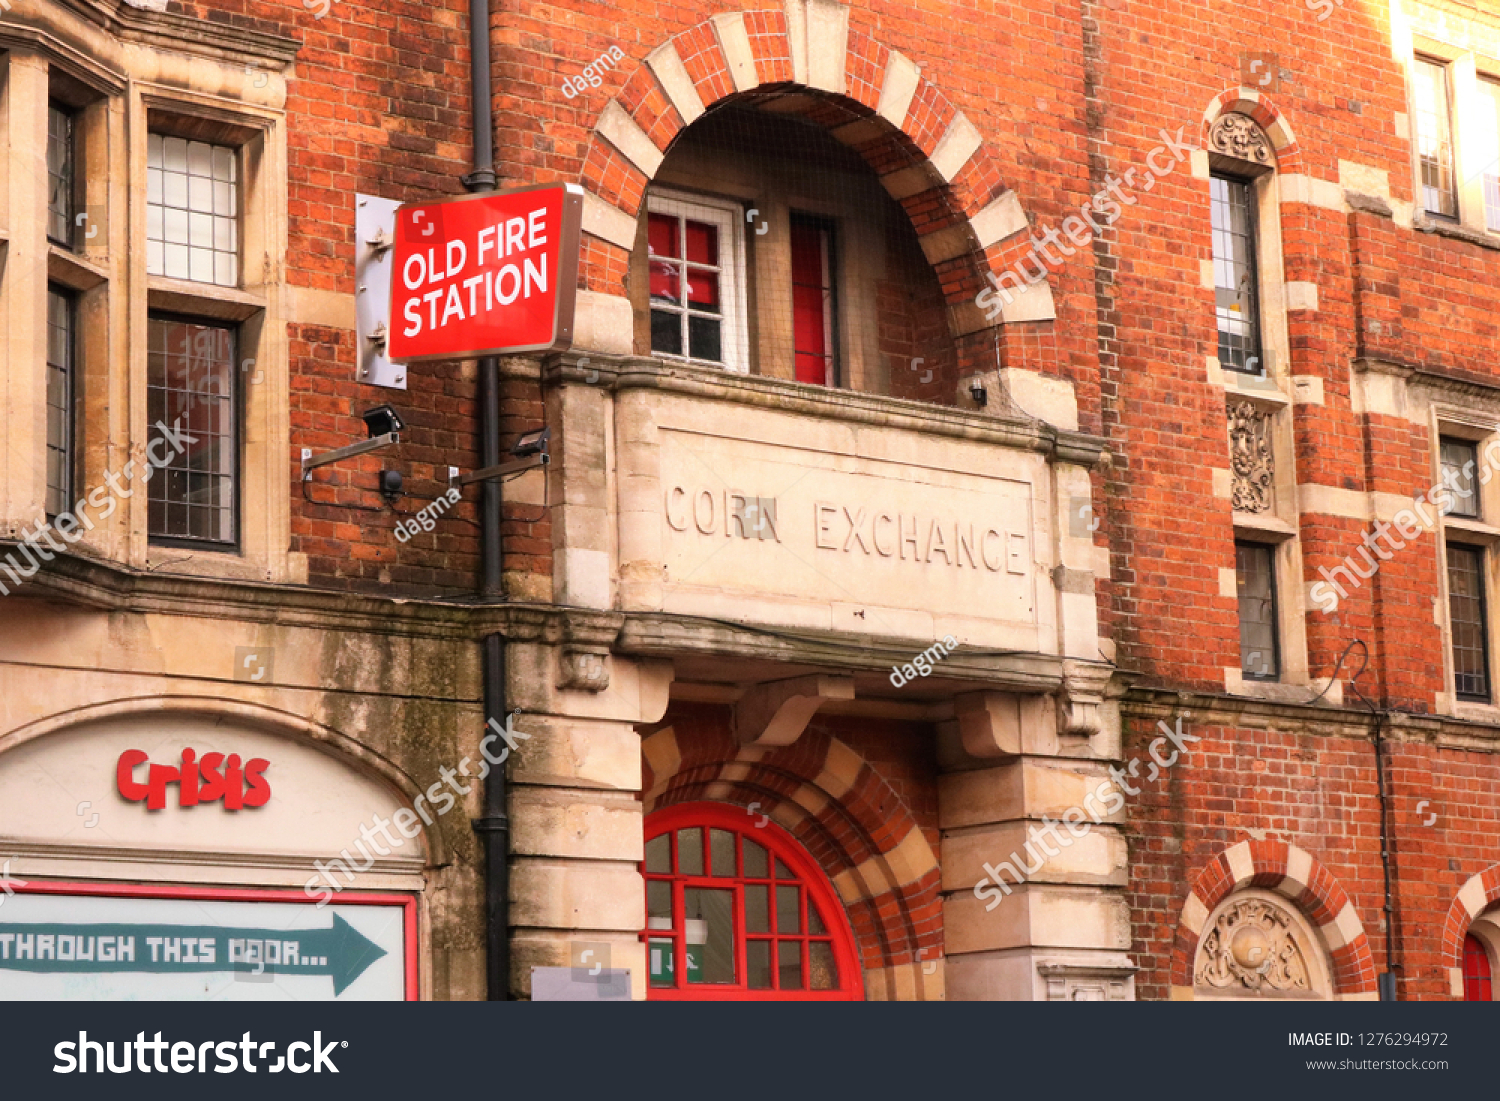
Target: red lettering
[[213, 782], [125, 775], [234, 784], [188, 786], [156, 782], [260, 791]]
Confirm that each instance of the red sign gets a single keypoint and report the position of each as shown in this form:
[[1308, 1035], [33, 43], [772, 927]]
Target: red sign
[[484, 274], [199, 780]]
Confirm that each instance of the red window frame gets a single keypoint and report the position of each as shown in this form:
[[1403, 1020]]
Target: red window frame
[[1479, 983], [780, 845]]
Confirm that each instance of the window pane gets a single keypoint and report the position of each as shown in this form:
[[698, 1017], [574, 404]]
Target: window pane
[[1460, 460], [661, 235], [665, 288], [659, 900], [703, 339], [666, 332], [1434, 137], [703, 289], [708, 920], [60, 175], [812, 299], [661, 963], [721, 851], [789, 957], [1466, 607], [191, 207], [59, 402], [758, 964], [756, 865], [823, 972], [703, 243], [690, 852], [788, 915], [659, 855], [1236, 294], [782, 871], [191, 387], [814, 921], [1487, 148], [1255, 574], [757, 908]]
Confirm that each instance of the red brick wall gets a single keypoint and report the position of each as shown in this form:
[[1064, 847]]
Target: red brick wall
[[1316, 791]]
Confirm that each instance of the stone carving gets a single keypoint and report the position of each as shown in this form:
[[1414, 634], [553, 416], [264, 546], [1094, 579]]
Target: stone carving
[[1252, 458], [1236, 135], [584, 669], [1251, 947]]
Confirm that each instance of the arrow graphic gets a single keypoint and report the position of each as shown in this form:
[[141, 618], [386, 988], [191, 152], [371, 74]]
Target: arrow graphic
[[341, 952]]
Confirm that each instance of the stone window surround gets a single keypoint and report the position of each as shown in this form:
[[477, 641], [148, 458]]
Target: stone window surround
[[1273, 393], [1465, 67], [114, 298], [1481, 427]]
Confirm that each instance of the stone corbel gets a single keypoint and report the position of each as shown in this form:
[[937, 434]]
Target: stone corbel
[[584, 669], [1081, 702], [989, 723], [777, 712]]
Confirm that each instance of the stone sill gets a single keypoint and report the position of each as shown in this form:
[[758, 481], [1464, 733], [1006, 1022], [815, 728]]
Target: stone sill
[[1458, 232]]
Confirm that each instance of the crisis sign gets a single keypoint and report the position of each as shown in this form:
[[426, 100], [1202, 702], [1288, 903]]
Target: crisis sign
[[484, 274]]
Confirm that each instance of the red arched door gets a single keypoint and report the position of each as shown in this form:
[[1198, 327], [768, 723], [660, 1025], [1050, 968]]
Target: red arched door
[[736, 909], [1478, 983]]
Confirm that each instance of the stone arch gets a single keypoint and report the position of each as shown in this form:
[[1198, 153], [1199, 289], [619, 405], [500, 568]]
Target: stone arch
[[1295, 874], [1260, 109], [348, 751], [928, 155], [1479, 893], [844, 813]]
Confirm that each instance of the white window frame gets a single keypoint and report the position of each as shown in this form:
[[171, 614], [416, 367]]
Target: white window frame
[[727, 216]]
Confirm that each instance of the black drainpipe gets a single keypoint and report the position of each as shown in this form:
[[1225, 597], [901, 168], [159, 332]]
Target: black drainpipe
[[494, 827], [1386, 981]]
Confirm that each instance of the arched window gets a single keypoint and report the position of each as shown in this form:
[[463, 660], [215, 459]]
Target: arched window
[[1478, 983], [737, 909]]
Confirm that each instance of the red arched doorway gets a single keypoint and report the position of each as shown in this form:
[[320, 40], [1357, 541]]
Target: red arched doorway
[[745, 908]]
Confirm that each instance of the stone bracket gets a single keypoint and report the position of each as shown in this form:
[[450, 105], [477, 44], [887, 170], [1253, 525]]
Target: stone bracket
[[584, 669], [989, 723], [1080, 705], [777, 712]]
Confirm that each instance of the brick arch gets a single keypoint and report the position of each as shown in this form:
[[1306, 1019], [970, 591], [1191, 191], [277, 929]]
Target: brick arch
[[1478, 894], [1297, 875], [849, 819], [929, 156], [1259, 106]]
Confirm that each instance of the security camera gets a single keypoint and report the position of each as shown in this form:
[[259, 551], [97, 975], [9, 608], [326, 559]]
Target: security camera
[[382, 420]]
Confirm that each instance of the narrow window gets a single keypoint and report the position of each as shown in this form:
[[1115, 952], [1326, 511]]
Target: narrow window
[[191, 405], [1435, 138], [60, 181], [60, 338], [1487, 136], [1466, 610], [812, 300], [1459, 460], [687, 310], [1255, 571], [1478, 981], [1236, 291], [192, 210]]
